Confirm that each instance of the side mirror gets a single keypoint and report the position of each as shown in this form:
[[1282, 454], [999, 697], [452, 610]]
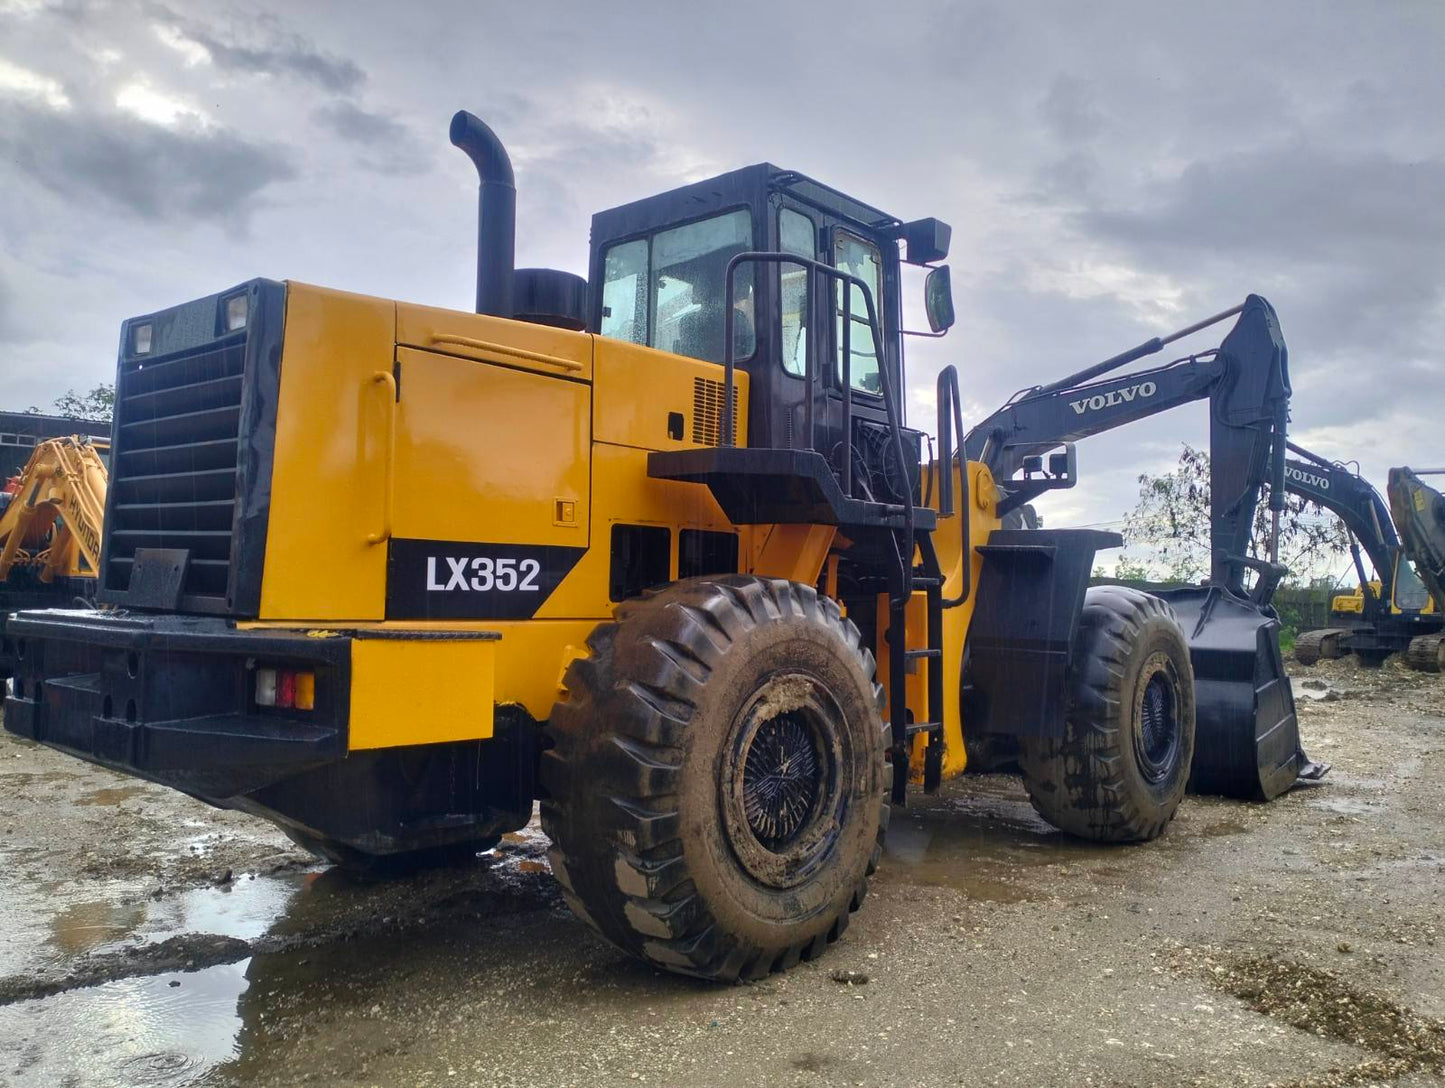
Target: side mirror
[[938, 299]]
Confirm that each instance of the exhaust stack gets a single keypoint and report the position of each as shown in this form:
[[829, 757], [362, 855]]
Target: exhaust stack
[[496, 213]]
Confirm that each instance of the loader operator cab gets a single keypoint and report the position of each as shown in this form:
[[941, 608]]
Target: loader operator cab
[[659, 277]]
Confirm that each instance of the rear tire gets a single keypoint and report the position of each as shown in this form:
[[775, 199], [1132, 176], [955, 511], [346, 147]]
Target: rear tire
[[717, 790], [1120, 770]]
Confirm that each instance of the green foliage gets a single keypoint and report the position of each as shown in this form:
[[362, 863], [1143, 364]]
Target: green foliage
[[97, 405], [1127, 569], [1172, 521]]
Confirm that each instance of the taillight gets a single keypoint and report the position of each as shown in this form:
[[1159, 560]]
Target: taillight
[[288, 689]]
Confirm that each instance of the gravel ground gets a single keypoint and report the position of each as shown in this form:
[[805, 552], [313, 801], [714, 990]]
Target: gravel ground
[[147, 939]]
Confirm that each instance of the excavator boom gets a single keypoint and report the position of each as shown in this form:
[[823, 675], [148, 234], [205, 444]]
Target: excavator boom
[[52, 524]]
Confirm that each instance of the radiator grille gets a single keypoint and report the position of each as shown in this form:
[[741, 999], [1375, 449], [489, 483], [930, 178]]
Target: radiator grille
[[707, 408], [173, 471]]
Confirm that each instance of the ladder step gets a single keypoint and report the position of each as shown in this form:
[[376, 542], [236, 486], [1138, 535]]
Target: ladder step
[[927, 581], [915, 655], [925, 727]]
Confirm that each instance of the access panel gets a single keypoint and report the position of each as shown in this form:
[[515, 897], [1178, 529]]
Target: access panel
[[491, 488]]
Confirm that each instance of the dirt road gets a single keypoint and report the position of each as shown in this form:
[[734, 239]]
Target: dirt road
[[147, 939]]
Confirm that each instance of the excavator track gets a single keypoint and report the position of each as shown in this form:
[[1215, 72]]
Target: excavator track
[[1324, 642], [1426, 653]]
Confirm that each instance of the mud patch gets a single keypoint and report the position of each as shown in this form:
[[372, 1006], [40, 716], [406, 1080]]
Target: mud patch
[[111, 796], [1324, 1004]]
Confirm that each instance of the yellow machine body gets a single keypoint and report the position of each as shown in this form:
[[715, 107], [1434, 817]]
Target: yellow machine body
[[453, 426]]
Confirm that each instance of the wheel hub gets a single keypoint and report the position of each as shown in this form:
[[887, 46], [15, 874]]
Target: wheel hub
[[780, 779], [782, 787], [1156, 743]]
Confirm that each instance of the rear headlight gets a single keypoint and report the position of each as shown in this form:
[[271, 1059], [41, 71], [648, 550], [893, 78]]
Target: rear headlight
[[141, 343], [288, 689], [236, 308]]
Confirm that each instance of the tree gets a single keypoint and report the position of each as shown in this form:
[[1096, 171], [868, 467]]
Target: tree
[[96, 406], [1172, 521]]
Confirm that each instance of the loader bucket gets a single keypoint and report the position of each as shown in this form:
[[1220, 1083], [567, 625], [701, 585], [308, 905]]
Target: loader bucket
[[1246, 733], [1418, 511]]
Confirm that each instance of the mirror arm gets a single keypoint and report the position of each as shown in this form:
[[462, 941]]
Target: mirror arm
[[920, 332]]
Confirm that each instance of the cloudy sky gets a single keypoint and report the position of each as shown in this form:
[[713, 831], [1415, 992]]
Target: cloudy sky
[[1111, 171]]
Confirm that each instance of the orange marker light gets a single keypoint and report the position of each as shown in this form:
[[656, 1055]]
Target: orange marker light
[[305, 691]]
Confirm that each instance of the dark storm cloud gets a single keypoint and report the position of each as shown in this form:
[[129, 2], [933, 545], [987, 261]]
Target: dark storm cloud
[[1356, 239], [1290, 198], [388, 146], [353, 123], [270, 50], [147, 170]]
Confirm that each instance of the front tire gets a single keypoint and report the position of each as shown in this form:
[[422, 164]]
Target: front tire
[[717, 788], [1120, 770]]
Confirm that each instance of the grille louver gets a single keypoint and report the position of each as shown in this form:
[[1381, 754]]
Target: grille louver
[[173, 476], [707, 406]]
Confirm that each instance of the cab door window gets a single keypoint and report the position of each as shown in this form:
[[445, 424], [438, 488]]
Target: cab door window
[[859, 258], [798, 236]]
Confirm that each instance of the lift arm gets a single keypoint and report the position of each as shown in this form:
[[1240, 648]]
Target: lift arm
[[1245, 380], [53, 521]]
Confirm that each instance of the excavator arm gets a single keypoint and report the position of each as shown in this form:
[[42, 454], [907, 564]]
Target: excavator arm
[[1351, 498], [53, 522], [1246, 382]]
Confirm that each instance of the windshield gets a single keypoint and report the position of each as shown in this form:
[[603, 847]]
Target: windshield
[[1410, 593]]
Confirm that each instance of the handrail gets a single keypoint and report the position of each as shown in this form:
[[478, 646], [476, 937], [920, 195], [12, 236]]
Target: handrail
[[506, 349], [813, 374], [950, 416], [387, 380]]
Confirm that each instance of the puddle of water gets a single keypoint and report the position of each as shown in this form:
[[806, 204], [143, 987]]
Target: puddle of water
[[977, 843], [86, 927], [138, 1031], [245, 908], [111, 796]]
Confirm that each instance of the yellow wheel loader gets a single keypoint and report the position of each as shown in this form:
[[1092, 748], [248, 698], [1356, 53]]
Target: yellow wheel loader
[[655, 548]]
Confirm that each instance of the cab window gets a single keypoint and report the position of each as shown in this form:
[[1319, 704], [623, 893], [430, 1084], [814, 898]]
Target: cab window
[[624, 292], [1410, 593], [853, 255], [796, 235], [682, 307]]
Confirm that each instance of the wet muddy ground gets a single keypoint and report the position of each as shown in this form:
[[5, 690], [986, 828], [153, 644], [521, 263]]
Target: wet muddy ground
[[148, 940]]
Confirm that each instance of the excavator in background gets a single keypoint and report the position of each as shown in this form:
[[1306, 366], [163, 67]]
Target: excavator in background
[[1232, 630], [50, 530], [1419, 512], [1389, 613]]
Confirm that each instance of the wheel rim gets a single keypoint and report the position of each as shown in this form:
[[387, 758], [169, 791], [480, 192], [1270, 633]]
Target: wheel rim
[[785, 779], [1156, 741]]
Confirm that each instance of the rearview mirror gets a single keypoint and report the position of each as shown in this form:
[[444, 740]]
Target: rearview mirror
[[938, 299]]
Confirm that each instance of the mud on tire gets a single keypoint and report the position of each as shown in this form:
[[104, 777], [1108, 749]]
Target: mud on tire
[[1121, 768], [716, 789]]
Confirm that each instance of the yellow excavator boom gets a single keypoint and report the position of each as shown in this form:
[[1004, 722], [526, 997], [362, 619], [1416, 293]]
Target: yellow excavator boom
[[53, 522]]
